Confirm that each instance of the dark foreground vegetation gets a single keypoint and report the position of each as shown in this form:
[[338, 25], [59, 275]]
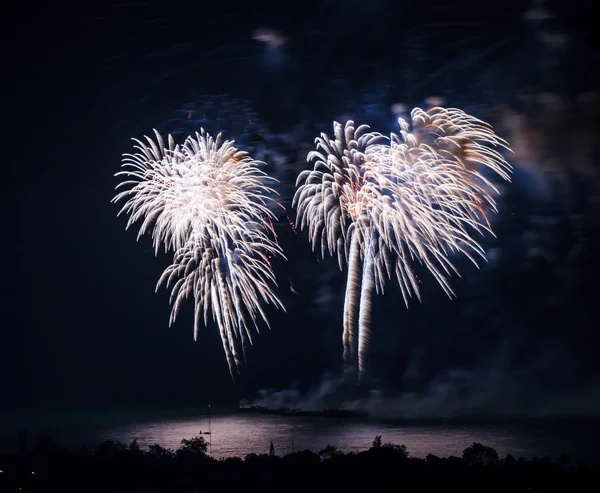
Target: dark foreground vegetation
[[114, 467]]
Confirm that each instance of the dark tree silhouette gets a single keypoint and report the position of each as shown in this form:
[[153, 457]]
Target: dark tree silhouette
[[111, 449], [480, 455], [156, 450], [134, 448], [396, 448], [195, 445], [328, 452]]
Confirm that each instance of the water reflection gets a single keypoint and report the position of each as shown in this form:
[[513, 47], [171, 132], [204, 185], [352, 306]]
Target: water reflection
[[238, 435]]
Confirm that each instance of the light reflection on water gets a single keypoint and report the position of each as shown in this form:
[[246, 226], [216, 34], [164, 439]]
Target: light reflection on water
[[236, 434]]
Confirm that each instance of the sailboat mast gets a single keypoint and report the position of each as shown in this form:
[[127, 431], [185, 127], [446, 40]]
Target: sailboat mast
[[209, 432]]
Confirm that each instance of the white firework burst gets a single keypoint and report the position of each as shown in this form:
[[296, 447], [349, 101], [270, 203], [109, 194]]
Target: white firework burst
[[383, 203], [211, 204]]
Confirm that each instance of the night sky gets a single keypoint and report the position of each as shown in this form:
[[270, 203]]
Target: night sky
[[82, 327]]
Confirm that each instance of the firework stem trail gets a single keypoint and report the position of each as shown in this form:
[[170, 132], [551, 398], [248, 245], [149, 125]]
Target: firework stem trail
[[366, 293], [351, 304]]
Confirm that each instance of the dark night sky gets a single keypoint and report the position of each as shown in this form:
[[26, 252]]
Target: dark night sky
[[82, 326]]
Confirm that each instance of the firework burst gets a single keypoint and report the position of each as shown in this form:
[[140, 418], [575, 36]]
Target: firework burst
[[211, 204], [382, 203]]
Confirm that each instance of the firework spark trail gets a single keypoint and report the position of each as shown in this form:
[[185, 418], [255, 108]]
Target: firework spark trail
[[381, 203], [210, 203]]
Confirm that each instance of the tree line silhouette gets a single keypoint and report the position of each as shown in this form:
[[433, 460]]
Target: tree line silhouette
[[117, 467]]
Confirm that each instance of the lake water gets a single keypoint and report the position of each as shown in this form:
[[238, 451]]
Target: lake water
[[235, 434]]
